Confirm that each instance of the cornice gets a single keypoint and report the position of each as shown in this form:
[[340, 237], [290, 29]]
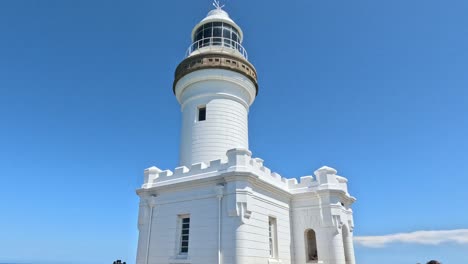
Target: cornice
[[216, 179], [215, 61]]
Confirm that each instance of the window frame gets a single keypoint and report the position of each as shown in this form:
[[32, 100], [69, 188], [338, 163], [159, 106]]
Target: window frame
[[201, 109], [273, 237], [183, 250]]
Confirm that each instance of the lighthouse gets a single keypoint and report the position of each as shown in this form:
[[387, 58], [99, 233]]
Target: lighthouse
[[221, 204], [215, 86]]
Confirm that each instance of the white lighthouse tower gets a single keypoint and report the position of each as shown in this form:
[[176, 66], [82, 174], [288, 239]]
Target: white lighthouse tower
[[215, 86], [221, 205]]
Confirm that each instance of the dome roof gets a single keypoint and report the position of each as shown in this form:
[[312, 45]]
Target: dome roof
[[218, 15]]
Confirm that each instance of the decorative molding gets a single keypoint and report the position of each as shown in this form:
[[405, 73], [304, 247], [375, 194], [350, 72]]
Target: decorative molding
[[193, 198], [243, 212], [219, 190], [351, 225], [238, 163], [337, 223], [152, 201], [218, 95], [215, 61], [242, 201]]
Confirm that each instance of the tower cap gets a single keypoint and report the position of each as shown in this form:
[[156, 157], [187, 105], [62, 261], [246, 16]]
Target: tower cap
[[218, 15]]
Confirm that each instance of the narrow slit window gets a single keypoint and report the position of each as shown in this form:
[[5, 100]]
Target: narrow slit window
[[184, 235], [202, 113], [272, 237]]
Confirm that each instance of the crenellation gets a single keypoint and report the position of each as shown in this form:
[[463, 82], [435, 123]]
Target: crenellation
[[215, 163], [277, 176], [241, 159], [266, 170], [258, 161], [236, 158], [342, 183], [151, 174], [165, 173], [306, 180], [198, 167], [181, 170]]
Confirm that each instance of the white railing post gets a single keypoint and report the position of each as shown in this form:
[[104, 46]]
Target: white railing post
[[210, 43]]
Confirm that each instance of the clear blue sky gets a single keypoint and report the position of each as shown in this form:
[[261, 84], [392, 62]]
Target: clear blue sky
[[375, 89]]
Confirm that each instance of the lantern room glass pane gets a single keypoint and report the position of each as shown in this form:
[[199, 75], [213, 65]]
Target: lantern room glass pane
[[217, 32], [199, 35], [226, 33], [234, 37], [207, 33]]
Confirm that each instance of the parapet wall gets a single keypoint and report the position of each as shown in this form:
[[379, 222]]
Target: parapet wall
[[240, 160]]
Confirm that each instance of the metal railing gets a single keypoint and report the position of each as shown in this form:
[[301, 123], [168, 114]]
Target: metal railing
[[217, 42]]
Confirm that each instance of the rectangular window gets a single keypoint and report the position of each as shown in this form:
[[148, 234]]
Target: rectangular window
[[202, 113], [272, 237], [184, 234]]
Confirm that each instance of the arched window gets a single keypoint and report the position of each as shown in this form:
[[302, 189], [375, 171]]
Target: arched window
[[311, 246]]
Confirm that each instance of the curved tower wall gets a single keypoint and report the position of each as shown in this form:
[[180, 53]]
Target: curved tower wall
[[216, 77], [226, 95]]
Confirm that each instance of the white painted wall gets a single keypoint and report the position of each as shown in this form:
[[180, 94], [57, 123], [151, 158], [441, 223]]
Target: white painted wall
[[251, 194], [244, 240], [326, 211], [246, 201], [227, 96], [201, 204]]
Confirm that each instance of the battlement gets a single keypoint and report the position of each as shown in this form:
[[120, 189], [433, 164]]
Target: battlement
[[240, 160]]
